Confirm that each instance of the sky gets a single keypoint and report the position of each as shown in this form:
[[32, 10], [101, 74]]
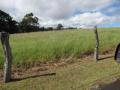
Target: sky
[[76, 13]]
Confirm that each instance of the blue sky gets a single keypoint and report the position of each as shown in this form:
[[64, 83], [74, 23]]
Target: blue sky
[[78, 13], [113, 10]]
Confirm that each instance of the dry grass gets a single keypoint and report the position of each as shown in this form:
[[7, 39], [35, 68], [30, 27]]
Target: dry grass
[[80, 75]]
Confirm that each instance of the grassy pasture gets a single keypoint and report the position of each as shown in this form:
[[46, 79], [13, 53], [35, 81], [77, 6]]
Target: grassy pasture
[[54, 45]]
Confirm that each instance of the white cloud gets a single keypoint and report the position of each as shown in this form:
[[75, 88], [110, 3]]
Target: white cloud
[[58, 11], [55, 9], [88, 19]]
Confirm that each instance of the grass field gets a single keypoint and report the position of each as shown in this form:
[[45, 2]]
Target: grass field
[[54, 45]]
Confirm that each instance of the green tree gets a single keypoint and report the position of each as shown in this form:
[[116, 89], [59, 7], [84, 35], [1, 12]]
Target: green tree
[[59, 26], [7, 24], [29, 23]]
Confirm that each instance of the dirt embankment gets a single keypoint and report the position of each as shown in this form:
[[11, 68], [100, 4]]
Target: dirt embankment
[[28, 70]]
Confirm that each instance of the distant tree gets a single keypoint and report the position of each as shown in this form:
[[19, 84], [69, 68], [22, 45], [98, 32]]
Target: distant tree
[[7, 24], [49, 28], [72, 28], [59, 26], [42, 29], [29, 23]]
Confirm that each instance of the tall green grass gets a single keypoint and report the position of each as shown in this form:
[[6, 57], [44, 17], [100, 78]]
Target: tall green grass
[[53, 45]]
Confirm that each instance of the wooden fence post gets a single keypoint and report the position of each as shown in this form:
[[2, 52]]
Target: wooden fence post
[[8, 56], [96, 52]]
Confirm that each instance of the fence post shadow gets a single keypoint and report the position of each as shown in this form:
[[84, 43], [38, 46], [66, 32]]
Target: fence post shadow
[[33, 76], [106, 57]]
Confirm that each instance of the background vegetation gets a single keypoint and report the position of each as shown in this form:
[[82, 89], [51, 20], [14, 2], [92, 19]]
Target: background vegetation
[[29, 23], [54, 45]]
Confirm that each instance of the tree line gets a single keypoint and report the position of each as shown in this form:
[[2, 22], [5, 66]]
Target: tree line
[[29, 23]]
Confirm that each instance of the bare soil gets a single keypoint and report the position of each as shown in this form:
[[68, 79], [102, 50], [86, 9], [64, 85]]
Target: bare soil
[[39, 69]]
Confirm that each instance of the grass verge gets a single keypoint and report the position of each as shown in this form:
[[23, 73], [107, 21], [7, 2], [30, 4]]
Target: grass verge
[[77, 76]]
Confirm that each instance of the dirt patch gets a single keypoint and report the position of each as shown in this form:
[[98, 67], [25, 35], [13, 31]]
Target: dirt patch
[[33, 70]]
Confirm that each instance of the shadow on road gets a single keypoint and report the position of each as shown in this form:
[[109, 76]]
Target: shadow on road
[[112, 86]]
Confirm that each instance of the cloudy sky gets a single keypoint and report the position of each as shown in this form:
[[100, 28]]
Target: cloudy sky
[[104, 13]]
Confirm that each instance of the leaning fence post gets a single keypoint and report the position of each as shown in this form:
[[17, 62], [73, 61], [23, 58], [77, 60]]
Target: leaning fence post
[[96, 52], [7, 55]]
